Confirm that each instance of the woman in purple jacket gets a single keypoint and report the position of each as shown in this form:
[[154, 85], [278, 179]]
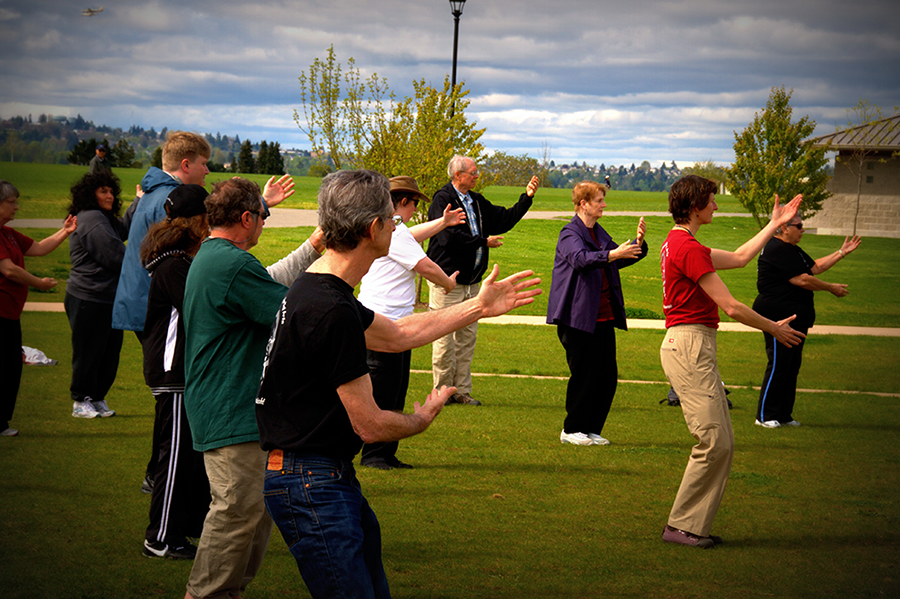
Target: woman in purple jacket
[[586, 305]]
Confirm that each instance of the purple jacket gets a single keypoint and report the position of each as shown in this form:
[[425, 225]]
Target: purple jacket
[[578, 271]]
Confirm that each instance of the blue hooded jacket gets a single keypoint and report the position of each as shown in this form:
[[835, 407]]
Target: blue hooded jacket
[[130, 306]]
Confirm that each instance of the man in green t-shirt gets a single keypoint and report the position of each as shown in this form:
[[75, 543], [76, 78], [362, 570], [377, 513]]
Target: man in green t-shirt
[[230, 301]]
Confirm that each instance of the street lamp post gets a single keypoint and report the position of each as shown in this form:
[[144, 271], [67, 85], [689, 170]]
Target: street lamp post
[[456, 9]]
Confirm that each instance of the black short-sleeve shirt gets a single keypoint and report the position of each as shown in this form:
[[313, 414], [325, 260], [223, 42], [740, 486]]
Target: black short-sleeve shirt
[[779, 298], [318, 344]]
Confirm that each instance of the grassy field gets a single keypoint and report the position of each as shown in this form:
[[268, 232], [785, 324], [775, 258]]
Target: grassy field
[[496, 508]]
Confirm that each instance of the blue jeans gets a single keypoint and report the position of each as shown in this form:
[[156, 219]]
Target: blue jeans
[[318, 506]]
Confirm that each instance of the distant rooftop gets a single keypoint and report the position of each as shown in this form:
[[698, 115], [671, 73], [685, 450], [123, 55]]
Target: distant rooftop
[[881, 135]]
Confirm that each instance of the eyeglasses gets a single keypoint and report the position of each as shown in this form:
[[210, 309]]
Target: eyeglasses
[[258, 214], [798, 225], [475, 174]]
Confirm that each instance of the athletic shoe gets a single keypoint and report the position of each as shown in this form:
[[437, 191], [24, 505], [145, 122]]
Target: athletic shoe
[[103, 409], [10, 432], [597, 439], [575, 438], [393, 461], [147, 485], [378, 463], [673, 535], [790, 423], [768, 424], [84, 409], [163, 551], [463, 398]]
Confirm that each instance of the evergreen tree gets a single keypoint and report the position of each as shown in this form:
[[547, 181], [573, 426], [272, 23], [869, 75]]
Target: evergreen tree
[[262, 159], [246, 163]]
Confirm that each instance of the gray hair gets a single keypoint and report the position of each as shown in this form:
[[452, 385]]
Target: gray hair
[[457, 164], [7, 190], [348, 203]]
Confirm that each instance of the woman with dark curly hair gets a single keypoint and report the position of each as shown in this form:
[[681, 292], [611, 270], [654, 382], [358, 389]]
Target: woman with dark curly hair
[[96, 250]]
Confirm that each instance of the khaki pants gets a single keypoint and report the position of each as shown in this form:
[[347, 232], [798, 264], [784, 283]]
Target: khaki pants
[[688, 356], [451, 355], [237, 528]]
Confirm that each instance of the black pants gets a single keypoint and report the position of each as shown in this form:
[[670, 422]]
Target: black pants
[[95, 348], [592, 386], [390, 381], [10, 368], [181, 494], [779, 386]]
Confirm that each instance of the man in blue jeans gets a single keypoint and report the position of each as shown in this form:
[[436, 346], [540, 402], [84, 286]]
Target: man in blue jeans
[[315, 407]]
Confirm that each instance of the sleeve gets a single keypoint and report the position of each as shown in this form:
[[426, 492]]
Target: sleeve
[[23, 241], [288, 268], [255, 294], [695, 261], [101, 241], [345, 344], [172, 280], [577, 254], [499, 220], [405, 250]]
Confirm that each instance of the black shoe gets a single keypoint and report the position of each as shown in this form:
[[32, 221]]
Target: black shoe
[[147, 485], [163, 551], [395, 463], [379, 463]]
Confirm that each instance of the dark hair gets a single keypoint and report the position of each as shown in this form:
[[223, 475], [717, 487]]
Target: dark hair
[[83, 192], [174, 234], [688, 193], [230, 199]]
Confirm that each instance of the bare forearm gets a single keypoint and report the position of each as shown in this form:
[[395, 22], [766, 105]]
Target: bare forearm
[[17, 274], [746, 315], [48, 244], [434, 273], [754, 245], [826, 262], [811, 283], [427, 230], [418, 329], [385, 426]]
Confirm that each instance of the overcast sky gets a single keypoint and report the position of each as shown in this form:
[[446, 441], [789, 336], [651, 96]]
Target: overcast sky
[[612, 81]]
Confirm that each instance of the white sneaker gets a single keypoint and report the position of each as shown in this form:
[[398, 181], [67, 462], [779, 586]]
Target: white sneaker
[[791, 423], [574, 438], [84, 409], [769, 424], [9, 432], [597, 439], [102, 409]]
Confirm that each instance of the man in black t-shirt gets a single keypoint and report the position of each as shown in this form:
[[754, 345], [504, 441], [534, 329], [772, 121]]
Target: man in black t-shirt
[[315, 407], [786, 281]]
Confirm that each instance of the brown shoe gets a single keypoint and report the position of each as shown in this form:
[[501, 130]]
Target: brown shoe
[[464, 398], [674, 535]]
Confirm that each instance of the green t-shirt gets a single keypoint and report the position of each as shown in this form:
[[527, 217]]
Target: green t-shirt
[[230, 302]]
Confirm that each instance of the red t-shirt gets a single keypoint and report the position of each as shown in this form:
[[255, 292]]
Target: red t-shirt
[[683, 261], [13, 246]]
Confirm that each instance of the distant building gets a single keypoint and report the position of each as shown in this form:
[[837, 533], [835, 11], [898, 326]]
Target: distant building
[[868, 167]]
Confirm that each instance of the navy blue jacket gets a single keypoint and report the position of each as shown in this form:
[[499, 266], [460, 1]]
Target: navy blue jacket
[[578, 271]]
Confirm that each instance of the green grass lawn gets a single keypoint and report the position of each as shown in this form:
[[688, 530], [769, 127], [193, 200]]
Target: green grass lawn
[[496, 507]]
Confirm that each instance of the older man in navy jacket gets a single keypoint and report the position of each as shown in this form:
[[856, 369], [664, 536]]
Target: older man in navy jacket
[[587, 306]]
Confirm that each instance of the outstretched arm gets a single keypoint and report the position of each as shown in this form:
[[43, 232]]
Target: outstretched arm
[[47, 245], [494, 299], [812, 283], [427, 230], [715, 288], [781, 215], [373, 424], [434, 273], [826, 262], [19, 275], [277, 191]]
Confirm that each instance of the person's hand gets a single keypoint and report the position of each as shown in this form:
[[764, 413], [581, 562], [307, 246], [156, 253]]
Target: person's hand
[[70, 224], [495, 241], [138, 192], [45, 284], [641, 230], [499, 297], [782, 215], [839, 289], [453, 286], [850, 245], [277, 191], [453, 217], [434, 403], [532, 187], [785, 334], [317, 239], [624, 251]]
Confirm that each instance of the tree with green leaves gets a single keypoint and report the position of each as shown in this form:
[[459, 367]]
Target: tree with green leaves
[[122, 155], [501, 168], [708, 170], [771, 158], [262, 158], [353, 122]]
